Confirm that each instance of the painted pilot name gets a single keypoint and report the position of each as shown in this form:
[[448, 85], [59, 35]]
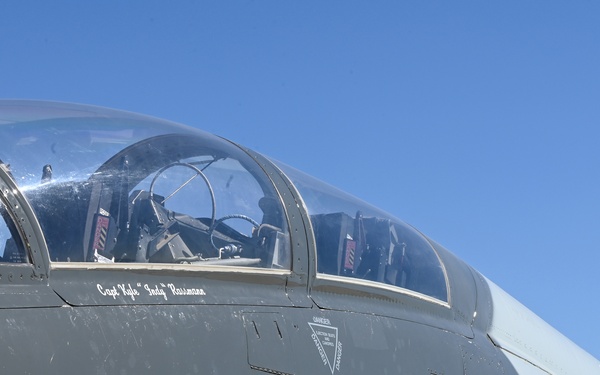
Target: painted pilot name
[[127, 290], [156, 291], [186, 291], [160, 290]]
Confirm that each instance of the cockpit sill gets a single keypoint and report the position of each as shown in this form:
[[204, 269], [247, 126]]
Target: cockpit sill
[[372, 288], [323, 281], [160, 267]]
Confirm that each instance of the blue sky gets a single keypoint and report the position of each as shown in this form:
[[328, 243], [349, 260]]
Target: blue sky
[[477, 122]]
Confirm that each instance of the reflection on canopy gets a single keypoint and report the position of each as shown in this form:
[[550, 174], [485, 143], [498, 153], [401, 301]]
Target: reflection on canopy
[[359, 241]]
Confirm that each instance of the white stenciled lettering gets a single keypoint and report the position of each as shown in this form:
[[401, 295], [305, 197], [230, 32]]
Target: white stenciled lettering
[[110, 292], [186, 291], [338, 360], [320, 349], [320, 320], [128, 290], [325, 338], [155, 291]]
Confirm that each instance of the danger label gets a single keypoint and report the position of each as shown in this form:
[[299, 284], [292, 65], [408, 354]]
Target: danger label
[[325, 338]]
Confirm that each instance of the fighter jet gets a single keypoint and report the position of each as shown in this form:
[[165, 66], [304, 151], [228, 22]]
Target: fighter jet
[[134, 245]]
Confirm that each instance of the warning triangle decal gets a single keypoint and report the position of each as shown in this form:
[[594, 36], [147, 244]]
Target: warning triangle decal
[[326, 340]]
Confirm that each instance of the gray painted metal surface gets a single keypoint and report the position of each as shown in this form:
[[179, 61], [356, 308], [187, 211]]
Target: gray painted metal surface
[[188, 318]]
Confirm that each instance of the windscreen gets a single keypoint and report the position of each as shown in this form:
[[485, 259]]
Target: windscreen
[[358, 241]]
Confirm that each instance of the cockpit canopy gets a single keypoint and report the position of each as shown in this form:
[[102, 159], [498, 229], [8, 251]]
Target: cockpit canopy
[[114, 187], [118, 187], [359, 241]]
